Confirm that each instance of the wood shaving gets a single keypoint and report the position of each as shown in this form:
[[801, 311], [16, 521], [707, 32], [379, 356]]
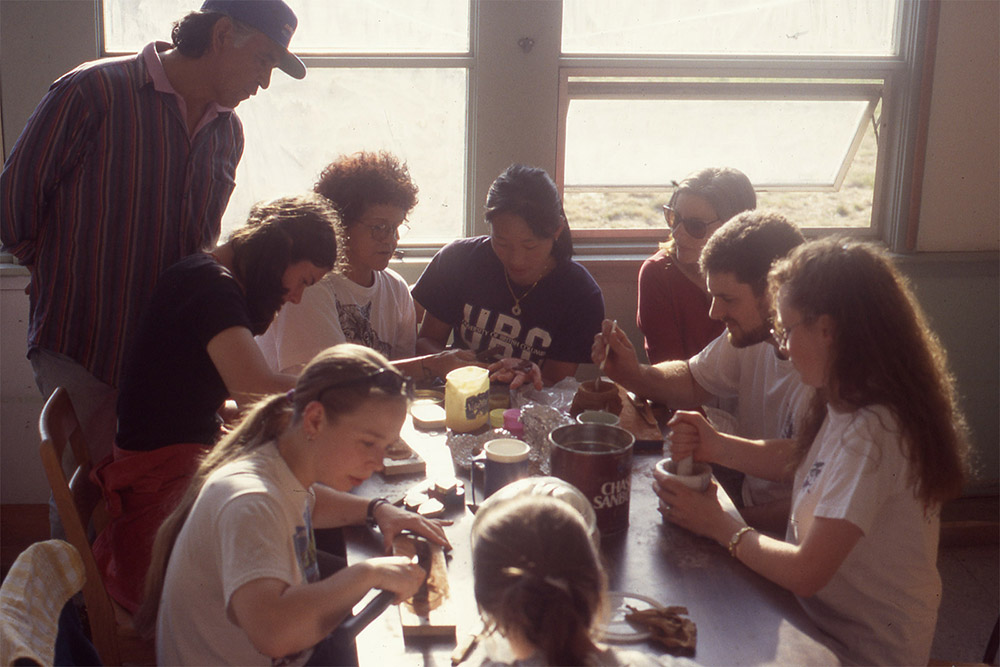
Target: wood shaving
[[669, 626]]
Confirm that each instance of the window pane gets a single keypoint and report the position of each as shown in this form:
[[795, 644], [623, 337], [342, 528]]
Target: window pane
[[328, 26], [295, 128], [649, 142], [639, 207], [759, 27]]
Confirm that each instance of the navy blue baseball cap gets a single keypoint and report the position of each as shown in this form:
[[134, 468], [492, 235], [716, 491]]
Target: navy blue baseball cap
[[271, 17]]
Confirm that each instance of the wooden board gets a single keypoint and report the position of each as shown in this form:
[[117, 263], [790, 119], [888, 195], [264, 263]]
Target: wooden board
[[435, 616], [409, 465]]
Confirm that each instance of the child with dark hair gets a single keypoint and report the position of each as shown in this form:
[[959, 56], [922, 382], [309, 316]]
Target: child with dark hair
[[540, 587]]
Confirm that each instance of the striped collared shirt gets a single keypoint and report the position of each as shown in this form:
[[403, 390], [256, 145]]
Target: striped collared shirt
[[104, 190]]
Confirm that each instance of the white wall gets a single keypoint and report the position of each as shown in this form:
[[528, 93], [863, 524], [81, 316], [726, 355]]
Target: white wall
[[41, 39], [960, 205]]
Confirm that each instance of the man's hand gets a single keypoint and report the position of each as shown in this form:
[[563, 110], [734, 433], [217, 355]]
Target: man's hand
[[614, 350]]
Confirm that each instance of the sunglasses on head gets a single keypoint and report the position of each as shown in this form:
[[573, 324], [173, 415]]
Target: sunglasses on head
[[385, 379], [695, 228]]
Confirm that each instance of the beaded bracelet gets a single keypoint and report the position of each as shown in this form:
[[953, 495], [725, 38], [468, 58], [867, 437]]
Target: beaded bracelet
[[370, 512], [735, 540]]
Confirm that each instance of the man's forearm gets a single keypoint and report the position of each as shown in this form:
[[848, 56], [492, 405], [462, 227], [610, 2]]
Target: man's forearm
[[669, 383]]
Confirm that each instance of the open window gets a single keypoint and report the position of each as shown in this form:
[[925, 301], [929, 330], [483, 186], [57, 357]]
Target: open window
[[812, 99]]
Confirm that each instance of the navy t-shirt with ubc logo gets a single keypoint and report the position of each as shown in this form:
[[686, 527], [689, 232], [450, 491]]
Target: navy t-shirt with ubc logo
[[465, 287]]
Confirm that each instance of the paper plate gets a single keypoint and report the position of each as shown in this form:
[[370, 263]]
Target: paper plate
[[618, 629]]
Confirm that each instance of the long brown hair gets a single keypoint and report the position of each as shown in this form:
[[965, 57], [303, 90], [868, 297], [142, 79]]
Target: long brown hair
[[538, 575], [883, 353], [265, 421], [279, 233]]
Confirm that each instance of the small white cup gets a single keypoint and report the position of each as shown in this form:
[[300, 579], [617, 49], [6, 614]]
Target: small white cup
[[597, 417], [698, 480]]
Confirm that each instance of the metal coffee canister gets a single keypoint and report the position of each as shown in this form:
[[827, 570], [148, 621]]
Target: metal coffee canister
[[597, 460]]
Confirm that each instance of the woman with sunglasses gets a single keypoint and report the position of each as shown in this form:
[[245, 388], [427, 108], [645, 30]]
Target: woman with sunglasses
[[882, 446], [234, 578], [515, 295], [673, 298], [366, 302], [193, 351]]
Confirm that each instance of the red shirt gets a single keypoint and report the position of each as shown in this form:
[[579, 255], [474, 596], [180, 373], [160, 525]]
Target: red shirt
[[673, 311]]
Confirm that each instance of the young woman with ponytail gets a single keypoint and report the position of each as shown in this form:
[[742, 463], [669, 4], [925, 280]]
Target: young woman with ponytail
[[234, 578]]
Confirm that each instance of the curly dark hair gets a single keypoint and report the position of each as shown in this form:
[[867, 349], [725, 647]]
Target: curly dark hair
[[748, 245], [884, 354], [355, 182]]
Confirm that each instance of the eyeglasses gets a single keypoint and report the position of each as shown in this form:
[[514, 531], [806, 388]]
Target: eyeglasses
[[385, 231], [695, 228], [781, 334], [385, 379]]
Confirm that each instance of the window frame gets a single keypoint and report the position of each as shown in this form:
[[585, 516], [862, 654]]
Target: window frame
[[901, 76], [390, 60]]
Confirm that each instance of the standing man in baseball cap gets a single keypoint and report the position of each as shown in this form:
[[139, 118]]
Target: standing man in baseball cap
[[125, 167]]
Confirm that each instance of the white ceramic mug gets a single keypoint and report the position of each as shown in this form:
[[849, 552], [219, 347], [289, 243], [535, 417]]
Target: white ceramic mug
[[502, 461]]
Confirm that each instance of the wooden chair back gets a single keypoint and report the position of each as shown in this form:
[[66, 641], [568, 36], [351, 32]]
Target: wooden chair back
[[80, 505]]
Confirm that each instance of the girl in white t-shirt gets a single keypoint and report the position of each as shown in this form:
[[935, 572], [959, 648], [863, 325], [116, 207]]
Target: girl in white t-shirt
[[234, 577], [881, 447]]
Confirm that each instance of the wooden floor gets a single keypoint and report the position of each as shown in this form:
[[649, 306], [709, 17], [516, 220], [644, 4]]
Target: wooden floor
[[20, 526]]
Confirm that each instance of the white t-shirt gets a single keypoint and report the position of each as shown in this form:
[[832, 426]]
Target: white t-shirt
[[337, 310], [881, 605], [771, 399], [252, 520]]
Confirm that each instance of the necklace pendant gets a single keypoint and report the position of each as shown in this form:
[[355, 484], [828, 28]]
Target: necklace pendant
[[516, 310]]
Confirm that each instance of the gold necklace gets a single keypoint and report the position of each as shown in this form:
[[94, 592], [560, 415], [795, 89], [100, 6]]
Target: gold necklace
[[517, 299]]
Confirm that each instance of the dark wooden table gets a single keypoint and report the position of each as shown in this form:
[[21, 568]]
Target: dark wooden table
[[742, 618]]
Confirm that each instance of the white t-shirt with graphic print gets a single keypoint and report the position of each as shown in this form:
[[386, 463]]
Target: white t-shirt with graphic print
[[881, 605], [252, 520], [337, 310]]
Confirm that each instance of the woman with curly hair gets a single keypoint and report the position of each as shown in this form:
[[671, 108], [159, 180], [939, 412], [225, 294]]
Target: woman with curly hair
[[367, 302], [882, 446]]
